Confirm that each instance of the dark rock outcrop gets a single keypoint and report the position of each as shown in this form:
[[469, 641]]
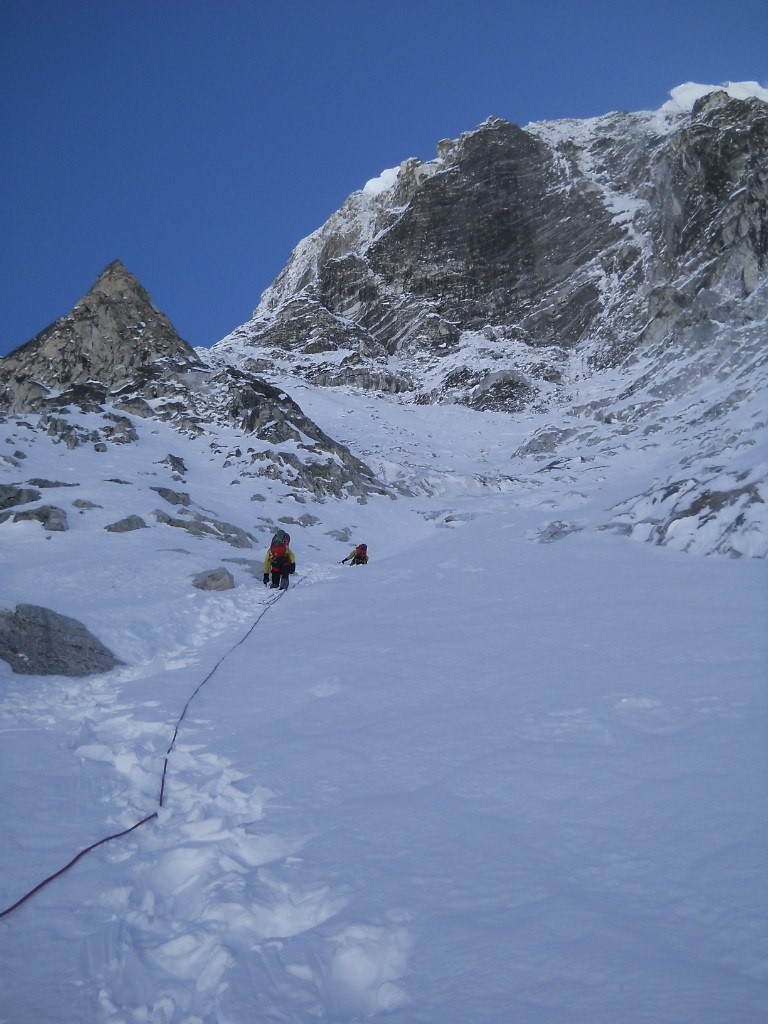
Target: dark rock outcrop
[[175, 464], [126, 525], [173, 497], [198, 525], [49, 516], [39, 642], [11, 495], [39, 482]]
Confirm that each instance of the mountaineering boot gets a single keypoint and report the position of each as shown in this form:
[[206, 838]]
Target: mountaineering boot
[[273, 586]]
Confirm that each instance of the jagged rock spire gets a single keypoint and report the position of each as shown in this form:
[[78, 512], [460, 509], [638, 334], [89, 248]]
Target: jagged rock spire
[[110, 335], [117, 282]]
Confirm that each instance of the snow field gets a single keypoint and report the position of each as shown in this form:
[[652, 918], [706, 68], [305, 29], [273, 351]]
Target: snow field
[[482, 778], [448, 823]]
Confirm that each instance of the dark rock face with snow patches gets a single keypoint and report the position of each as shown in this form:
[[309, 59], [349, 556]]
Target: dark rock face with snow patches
[[609, 274], [475, 277]]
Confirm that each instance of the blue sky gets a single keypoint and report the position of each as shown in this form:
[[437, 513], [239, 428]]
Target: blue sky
[[199, 140]]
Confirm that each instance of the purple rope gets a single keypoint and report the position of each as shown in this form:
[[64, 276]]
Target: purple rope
[[149, 817]]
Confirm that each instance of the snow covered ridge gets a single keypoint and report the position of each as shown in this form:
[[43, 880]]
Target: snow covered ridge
[[684, 97], [682, 100], [385, 180]]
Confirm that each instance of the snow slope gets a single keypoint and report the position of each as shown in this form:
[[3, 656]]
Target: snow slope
[[513, 769]]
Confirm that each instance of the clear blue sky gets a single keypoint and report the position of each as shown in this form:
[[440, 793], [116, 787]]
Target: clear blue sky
[[199, 140]]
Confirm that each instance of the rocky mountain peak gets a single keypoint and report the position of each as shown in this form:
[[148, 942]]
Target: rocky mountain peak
[[116, 357], [113, 333], [607, 278], [117, 282]]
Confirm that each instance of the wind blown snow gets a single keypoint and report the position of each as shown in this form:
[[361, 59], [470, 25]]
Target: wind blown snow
[[684, 96], [384, 181]]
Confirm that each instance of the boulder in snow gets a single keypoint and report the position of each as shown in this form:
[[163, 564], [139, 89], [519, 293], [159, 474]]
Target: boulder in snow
[[214, 579], [127, 525], [173, 497], [11, 495], [36, 641], [49, 516]]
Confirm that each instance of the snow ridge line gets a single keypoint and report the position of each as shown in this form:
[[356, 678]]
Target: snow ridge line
[[149, 817]]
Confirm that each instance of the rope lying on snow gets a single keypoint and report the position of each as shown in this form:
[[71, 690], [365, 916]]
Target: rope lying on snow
[[75, 859], [149, 817], [226, 654]]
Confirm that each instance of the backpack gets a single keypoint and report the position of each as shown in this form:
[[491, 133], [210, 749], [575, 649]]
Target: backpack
[[360, 555], [277, 552]]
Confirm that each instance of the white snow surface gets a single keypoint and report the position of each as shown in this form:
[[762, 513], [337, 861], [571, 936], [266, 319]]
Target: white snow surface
[[683, 97], [385, 180], [512, 770]]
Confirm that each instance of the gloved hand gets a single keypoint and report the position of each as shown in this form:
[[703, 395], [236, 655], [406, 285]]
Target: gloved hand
[[292, 570], [266, 579]]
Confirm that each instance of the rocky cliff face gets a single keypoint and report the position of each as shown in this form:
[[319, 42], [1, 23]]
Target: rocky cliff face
[[477, 276], [608, 275]]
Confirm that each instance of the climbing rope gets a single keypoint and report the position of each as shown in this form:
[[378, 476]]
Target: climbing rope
[[118, 835], [197, 690]]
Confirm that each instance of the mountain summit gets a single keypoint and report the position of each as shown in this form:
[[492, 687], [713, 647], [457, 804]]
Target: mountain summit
[[117, 356], [609, 275], [486, 275], [110, 334]]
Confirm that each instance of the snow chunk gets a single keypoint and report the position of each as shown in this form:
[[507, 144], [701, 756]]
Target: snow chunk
[[684, 96], [387, 178]]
